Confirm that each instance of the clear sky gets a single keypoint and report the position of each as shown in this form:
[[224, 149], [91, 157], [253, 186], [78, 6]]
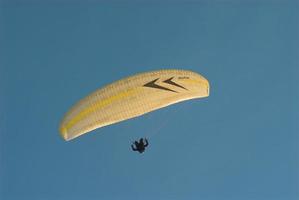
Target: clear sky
[[241, 143]]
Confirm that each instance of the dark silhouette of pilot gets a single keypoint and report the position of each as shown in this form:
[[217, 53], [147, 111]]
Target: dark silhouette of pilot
[[139, 146]]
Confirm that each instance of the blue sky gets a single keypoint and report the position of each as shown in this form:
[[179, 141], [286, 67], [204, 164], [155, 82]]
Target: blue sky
[[239, 143]]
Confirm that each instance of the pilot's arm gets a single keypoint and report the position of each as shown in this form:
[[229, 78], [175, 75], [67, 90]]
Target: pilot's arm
[[133, 148], [146, 143]]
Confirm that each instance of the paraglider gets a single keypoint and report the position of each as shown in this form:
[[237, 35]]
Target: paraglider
[[139, 146], [132, 97]]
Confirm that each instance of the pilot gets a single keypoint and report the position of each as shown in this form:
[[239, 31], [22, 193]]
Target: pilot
[[140, 146]]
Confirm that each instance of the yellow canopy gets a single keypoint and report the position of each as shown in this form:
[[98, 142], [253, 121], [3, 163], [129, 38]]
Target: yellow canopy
[[132, 97]]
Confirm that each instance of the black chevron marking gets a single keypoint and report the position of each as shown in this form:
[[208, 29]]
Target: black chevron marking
[[169, 81], [152, 84]]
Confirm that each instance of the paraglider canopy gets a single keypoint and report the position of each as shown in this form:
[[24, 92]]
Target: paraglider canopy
[[132, 97]]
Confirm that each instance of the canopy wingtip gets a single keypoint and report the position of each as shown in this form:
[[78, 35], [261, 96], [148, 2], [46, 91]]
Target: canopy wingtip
[[63, 133]]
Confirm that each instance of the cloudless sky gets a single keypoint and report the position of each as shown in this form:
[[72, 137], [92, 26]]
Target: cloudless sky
[[240, 143]]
